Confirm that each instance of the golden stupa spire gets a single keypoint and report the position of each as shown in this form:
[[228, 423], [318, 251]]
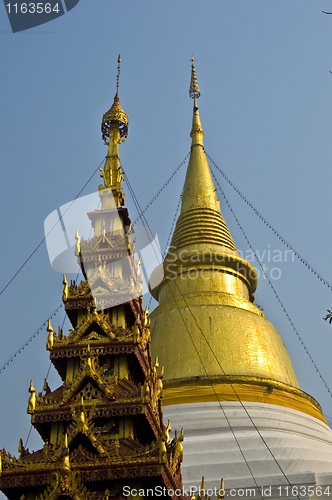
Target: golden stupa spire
[[214, 343], [199, 192]]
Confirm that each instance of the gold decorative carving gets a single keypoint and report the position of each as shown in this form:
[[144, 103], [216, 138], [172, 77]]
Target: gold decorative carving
[[69, 485], [90, 368], [78, 335], [79, 291], [83, 425]]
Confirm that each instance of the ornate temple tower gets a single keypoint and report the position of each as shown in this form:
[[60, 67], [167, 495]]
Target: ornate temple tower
[[103, 427], [228, 375]]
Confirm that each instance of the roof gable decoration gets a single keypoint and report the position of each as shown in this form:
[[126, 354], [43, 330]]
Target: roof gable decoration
[[96, 327], [83, 330], [71, 391], [83, 425], [90, 368]]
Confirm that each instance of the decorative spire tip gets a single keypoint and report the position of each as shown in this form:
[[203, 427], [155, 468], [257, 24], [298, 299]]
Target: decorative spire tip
[[115, 118], [118, 75], [194, 91]]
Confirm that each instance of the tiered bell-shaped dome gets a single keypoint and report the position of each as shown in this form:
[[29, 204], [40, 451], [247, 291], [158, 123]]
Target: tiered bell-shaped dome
[[206, 324]]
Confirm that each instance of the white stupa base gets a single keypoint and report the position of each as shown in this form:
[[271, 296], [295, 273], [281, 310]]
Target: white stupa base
[[301, 445]]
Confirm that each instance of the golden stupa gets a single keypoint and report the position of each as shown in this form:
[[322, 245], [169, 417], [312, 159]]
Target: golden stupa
[[213, 342]]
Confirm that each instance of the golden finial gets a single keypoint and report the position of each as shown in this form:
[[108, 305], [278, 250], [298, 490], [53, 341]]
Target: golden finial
[[115, 118], [221, 493], [65, 287], [160, 385], [20, 447], [167, 431], [78, 243], [179, 446], [32, 399], [194, 91], [50, 338], [202, 489], [145, 391]]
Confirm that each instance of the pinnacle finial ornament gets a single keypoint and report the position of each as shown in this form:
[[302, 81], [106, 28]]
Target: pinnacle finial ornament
[[221, 494], [50, 338], [194, 91], [115, 118], [32, 399]]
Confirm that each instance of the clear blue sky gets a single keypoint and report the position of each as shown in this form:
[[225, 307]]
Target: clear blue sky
[[263, 70]]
